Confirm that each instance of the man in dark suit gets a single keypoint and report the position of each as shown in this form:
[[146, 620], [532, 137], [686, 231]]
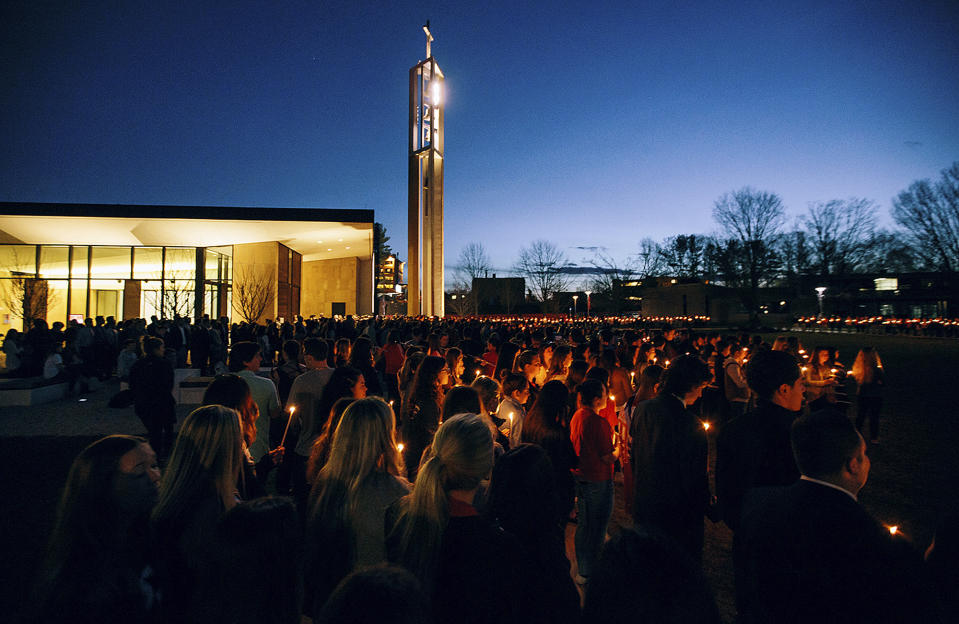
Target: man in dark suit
[[669, 456], [753, 450], [809, 552]]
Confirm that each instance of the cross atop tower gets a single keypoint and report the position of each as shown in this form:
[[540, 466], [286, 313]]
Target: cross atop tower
[[429, 38]]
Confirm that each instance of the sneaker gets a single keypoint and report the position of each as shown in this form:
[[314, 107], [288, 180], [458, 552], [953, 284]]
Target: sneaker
[[580, 579]]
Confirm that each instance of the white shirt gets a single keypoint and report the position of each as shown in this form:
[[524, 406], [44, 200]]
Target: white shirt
[[830, 485]]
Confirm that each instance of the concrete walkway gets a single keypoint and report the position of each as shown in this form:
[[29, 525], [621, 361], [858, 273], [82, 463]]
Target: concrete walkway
[[86, 415]]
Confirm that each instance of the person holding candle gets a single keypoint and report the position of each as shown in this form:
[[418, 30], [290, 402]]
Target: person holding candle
[[511, 411], [233, 392], [735, 387], [245, 360], [545, 426], [811, 553], [869, 375], [820, 380], [753, 450], [423, 410], [345, 528], [454, 362], [306, 394], [592, 439], [670, 453]]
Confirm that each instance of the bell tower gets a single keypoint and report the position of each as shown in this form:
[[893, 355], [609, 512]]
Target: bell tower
[[425, 216]]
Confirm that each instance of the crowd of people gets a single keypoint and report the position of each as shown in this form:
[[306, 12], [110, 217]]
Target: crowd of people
[[426, 470]]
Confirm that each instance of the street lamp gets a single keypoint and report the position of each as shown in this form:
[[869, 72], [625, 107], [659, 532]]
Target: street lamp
[[575, 297], [820, 294], [588, 301]]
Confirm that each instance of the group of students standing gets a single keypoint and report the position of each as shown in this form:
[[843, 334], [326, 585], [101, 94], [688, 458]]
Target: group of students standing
[[444, 497]]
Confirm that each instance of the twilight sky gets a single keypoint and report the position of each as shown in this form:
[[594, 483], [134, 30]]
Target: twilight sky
[[587, 124]]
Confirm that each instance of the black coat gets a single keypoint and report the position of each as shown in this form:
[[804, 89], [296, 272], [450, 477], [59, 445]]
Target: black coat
[[753, 451], [151, 380], [810, 553], [669, 458]]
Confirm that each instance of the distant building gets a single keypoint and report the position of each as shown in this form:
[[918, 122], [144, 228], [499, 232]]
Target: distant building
[[389, 275], [500, 295]]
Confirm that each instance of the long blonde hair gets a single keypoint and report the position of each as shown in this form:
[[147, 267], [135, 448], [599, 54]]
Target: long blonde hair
[[460, 457], [867, 364], [207, 453], [364, 442]]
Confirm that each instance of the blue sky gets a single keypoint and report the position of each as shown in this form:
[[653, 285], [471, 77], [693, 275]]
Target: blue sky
[[587, 124]]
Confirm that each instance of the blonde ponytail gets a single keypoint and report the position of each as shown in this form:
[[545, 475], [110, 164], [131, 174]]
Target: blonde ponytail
[[460, 457]]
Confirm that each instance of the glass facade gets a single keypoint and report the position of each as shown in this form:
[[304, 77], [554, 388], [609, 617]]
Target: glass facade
[[81, 281]]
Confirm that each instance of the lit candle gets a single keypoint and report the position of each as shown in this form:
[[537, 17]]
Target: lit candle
[[706, 425], [478, 372], [288, 421], [400, 447], [667, 363]]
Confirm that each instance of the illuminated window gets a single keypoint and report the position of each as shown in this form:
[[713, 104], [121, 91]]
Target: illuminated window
[[886, 283]]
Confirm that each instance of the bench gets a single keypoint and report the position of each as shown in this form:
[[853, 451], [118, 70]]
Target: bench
[[28, 391], [192, 389]]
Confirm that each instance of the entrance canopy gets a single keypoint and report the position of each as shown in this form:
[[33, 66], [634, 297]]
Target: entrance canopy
[[317, 234]]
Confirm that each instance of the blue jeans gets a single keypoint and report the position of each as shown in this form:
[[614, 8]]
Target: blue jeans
[[594, 506]]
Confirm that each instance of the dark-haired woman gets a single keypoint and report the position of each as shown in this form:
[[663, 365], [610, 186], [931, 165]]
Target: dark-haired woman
[[423, 409], [99, 547], [592, 438], [361, 358], [511, 410], [545, 426], [522, 498]]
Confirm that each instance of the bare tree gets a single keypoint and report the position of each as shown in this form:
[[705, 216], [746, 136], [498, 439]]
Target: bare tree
[[648, 261], [610, 271], [682, 255], [889, 253], [253, 291], [929, 212], [753, 219], [541, 263], [25, 295], [839, 234], [473, 262]]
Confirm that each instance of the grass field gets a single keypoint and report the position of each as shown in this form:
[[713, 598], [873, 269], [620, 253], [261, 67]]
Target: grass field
[[912, 484]]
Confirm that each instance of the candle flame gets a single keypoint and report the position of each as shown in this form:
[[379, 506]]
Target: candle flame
[[667, 363], [511, 418], [292, 409], [400, 447], [706, 425], [893, 530]]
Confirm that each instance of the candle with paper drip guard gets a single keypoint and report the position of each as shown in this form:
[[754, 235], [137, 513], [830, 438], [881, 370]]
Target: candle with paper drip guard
[[288, 421]]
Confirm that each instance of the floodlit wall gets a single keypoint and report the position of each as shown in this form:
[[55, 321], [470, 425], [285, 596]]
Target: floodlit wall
[[258, 262], [326, 282]]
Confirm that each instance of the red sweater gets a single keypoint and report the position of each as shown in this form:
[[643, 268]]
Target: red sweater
[[592, 438]]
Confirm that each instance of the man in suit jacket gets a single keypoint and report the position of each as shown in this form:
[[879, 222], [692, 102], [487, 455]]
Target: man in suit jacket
[[809, 552], [753, 450], [669, 457]]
